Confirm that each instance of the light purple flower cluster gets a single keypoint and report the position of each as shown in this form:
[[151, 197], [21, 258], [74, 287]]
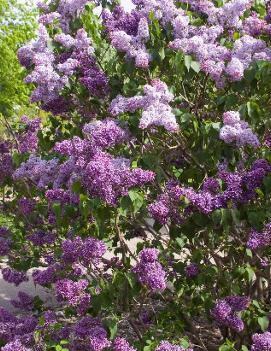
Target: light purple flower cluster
[[105, 134], [120, 344], [204, 41], [28, 140], [40, 172], [167, 346], [15, 346], [240, 187], [155, 106], [261, 342], [237, 131], [226, 311], [259, 240], [13, 277], [129, 37], [149, 271]]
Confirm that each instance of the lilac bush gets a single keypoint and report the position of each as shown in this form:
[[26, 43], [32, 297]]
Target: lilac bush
[[141, 199]]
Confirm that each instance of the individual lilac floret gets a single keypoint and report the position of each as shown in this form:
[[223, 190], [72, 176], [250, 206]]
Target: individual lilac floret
[[225, 311], [192, 270], [167, 346], [237, 131], [24, 302], [120, 344], [155, 106], [259, 240], [149, 271], [261, 342], [14, 277]]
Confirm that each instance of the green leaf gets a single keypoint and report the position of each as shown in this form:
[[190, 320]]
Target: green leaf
[[187, 62], [195, 66], [263, 323]]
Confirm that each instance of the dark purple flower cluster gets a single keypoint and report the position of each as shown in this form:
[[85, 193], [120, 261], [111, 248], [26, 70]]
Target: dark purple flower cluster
[[40, 238], [149, 271], [225, 311], [46, 276], [261, 342], [28, 140], [92, 77], [74, 293], [26, 206], [192, 270], [103, 175], [118, 19], [240, 187], [92, 331], [24, 302], [87, 251], [167, 346], [259, 240], [14, 277], [5, 241], [16, 330], [5, 161]]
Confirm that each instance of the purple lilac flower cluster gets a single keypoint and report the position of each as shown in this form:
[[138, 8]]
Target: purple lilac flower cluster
[[40, 238], [237, 131], [5, 161], [103, 175], [167, 346], [51, 72], [192, 270], [14, 277], [226, 311], [154, 103], [87, 251], [240, 187], [259, 240], [203, 42], [24, 301], [38, 171], [120, 344], [261, 342], [5, 241], [28, 140], [74, 293], [129, 33], [149, 271]]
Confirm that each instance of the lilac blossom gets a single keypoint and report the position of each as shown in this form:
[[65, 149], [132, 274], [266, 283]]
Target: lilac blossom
[[155, 106], [261, 342], [24, 302], [167, 346], [259, 240], [225, 311], [13, 277], [149, 271], [237, 131]]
